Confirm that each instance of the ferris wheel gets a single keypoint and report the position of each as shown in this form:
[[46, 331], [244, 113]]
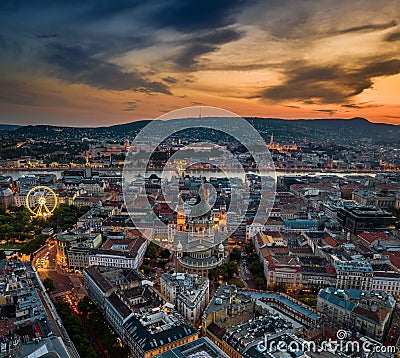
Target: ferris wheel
[[41, 201]]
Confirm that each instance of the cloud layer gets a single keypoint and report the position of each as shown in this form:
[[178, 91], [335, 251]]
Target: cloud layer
[[305, 58], [329, 84]]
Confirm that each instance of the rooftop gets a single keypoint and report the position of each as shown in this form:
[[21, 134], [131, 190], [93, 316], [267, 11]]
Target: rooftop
[[225, 296], [242, 335], [156, 330], [189, 288], [123, 310], [200, 348], [285, 300], [94, 273], [358, 266], [350, 299], [25, 317]]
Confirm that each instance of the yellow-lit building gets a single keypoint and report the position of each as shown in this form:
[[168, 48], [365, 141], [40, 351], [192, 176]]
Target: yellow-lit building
[[66, 241], [199, 233]]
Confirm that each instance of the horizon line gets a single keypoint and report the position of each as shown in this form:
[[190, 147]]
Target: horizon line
[[153, 119]]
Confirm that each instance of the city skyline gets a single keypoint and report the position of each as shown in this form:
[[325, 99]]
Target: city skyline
[[108, 63]]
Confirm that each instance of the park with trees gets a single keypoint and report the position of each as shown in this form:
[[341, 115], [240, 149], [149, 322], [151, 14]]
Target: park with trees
[[19, 231]]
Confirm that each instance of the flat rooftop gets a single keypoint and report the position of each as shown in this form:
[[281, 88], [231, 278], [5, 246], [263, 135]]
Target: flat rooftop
[[297, 306]]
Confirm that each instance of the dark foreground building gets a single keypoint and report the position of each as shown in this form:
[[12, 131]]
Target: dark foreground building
[[364, 218]]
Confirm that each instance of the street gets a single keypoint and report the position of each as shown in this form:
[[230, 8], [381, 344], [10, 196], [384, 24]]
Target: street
[[65, 283], [245, 275]]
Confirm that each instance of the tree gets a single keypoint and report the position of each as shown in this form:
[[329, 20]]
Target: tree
[[223, 271], [256, 268], [146, 269], [260, 282], [236, 282], [228, 270], [232, 269], [65, 216], [249, 248], [213, 274], [165, 254], [278, 287], [85, 305], [34, 244], [236, 255], [49, 284], [161, 264], [76, 331], [151, 251]]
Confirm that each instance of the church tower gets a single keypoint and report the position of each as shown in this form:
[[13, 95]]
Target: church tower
[[180, 219]]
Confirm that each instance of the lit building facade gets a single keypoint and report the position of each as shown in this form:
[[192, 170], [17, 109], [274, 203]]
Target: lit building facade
[[189, 293], [197, 233], [354, 275]]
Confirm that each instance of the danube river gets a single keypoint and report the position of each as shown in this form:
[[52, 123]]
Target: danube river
[[58, 172]]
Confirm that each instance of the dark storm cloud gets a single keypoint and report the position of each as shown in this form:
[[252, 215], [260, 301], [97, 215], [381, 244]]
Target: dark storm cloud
[[107, 9], [46, 36], [331, 112], [392, 117], [312, 20], [91, 35], [196, 103], [107, 28], [349, 105], [328, 84], [196, 15], [75, 65], [394, 36], [86, 42], [170, 79], [9, 46], [203, 44], [130, 106], [2, 42], [292, 106], [367, 28]]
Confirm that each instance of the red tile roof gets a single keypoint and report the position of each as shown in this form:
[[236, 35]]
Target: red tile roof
[[370, 237], [377, 317], [330, 270], [394, 257], [388, 187], [330, 241]]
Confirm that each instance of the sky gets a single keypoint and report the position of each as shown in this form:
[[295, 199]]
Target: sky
[[104, 62]]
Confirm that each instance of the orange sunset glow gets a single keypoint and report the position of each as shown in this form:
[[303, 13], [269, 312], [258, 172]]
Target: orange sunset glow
[[93, 64]]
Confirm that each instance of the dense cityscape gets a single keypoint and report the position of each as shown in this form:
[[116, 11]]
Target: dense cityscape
[[199, 179], [80, 277]]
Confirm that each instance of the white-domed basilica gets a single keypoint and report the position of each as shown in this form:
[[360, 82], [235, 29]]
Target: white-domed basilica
[[199, 233]]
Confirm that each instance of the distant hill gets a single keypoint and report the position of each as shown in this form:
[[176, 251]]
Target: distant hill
[[74, 133], [8, 127], [128, 127], [336, 130]]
